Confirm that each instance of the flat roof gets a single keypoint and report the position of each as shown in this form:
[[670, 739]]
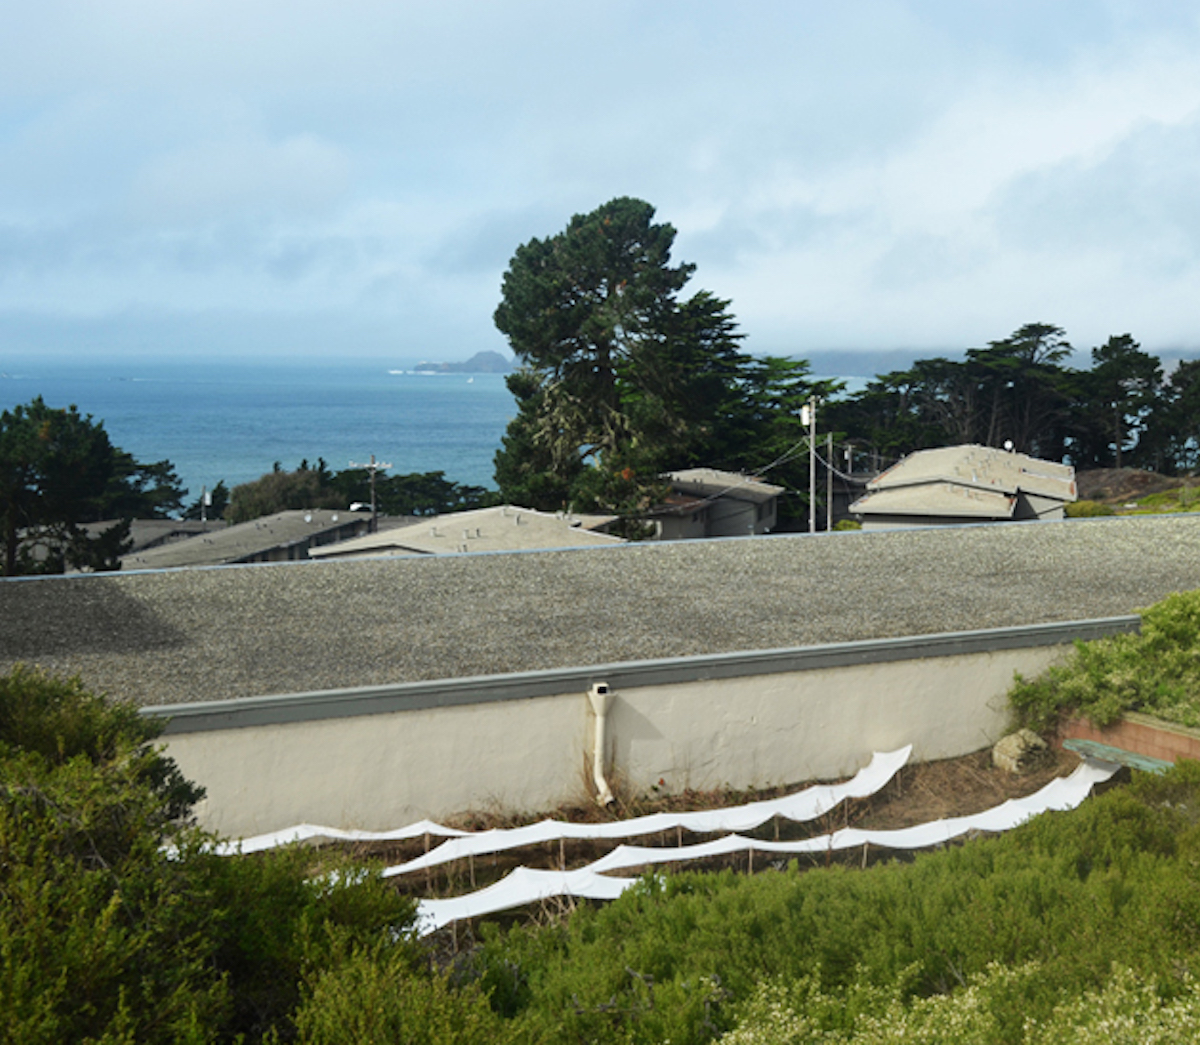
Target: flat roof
[[170, 637]]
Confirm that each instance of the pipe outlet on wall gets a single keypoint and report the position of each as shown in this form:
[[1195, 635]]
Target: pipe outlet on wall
[[600, 697]]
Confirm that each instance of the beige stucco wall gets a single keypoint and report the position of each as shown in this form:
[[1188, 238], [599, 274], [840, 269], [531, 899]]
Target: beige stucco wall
[[386, 770]]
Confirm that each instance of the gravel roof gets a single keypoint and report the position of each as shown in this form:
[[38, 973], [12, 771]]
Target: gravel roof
[[241, 631]]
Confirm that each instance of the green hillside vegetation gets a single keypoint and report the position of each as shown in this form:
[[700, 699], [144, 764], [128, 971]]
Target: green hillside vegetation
[[116, 924], [1086, 509], [1156, 672], [1184, 498]]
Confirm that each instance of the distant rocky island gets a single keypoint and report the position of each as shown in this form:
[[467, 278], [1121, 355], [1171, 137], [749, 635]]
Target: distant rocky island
[[479, 363]]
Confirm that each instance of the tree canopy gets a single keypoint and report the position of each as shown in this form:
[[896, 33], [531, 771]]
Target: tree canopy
[[417, 493], [621, 378], [59, 471], [1022, 389]]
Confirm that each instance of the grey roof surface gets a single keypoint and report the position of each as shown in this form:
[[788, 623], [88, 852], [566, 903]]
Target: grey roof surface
[[221, 544], [147, 533], [942, 499], [711, 482], [211, 634], [981, 468], [502, 528]]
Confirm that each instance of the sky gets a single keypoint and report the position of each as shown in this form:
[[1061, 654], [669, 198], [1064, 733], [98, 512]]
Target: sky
[[196, 179]]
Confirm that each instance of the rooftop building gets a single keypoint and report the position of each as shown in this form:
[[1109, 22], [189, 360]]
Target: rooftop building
[[706, 502], [962, 484]]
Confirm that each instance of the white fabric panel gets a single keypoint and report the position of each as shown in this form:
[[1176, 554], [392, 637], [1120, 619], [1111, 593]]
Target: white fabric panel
[[802, 806], [523, 886], [317, 833], [1063, 793]]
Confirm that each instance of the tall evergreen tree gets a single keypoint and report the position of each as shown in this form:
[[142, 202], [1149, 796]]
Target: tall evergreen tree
[[58, 471], [619, 378], [1116, 397]]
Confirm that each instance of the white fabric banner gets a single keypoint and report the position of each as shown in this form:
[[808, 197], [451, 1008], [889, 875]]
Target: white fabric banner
[[802, 806], [524, 885], [1063, 793], [316, 833]]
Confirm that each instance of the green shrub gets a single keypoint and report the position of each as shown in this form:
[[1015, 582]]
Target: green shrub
[[117, 922], [371, 994], [1126, 1010], [1157, 672], [100, 933]]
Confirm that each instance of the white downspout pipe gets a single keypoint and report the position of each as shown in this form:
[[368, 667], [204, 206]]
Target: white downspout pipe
[[600, 697]]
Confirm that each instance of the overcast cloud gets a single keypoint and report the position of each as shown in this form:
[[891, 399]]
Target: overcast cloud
[[209, 177]]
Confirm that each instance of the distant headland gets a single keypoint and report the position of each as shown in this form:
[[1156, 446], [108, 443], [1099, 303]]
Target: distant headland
[[479, 363]]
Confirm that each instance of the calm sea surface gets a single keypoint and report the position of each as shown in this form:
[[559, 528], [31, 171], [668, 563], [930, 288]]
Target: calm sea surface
[[232, 420]]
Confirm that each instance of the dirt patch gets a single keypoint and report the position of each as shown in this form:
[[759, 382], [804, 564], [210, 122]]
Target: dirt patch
[[955, 787]]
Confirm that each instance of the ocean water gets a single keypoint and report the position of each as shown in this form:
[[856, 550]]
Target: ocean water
[[232, 420]]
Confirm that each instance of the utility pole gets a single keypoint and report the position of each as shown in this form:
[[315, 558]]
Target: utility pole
[[808, 416], [828, 481], [372, 467]]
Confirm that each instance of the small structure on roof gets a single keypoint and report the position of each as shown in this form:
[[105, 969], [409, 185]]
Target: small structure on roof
[[504, 528], [706, 502], [965, 484]]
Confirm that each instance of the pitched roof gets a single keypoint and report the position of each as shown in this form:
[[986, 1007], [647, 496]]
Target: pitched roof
[[711, 482], [981, 468], [948, 500], [227, 544], [964, 482], [502, 528]]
